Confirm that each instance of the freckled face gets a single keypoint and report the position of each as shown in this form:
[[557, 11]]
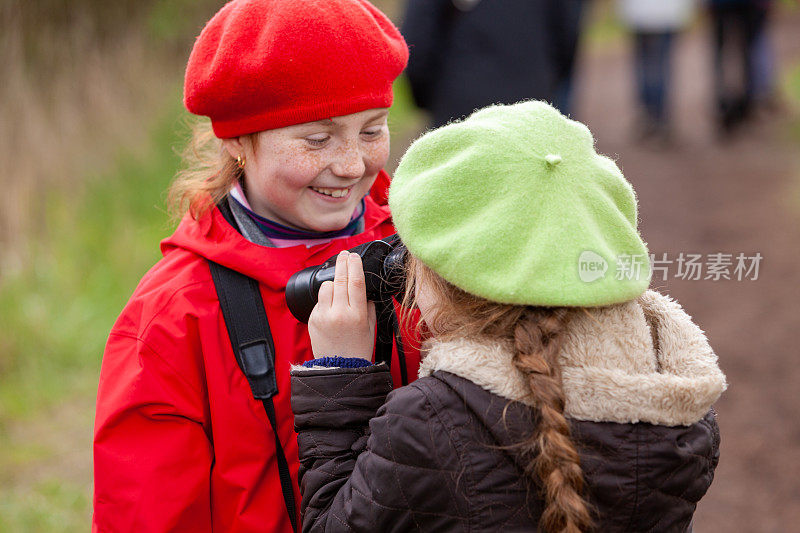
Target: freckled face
[[313, 175]]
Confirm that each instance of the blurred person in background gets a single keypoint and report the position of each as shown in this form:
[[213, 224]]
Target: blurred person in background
[[741, 59], [568, 19], [297, 93], [655, 25], [466, 54], [763, 74]]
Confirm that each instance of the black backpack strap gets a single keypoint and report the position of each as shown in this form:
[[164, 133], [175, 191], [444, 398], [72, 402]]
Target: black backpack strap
[[388, 331], [401, 353], [248, 329]]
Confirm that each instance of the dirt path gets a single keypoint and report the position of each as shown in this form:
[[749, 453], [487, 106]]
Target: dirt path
[[705, 197]]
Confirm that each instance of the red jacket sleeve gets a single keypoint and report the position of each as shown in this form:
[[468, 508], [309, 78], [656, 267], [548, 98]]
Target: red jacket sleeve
[[152, 453]]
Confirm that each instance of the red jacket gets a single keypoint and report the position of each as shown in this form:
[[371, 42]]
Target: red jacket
[[180, 443]]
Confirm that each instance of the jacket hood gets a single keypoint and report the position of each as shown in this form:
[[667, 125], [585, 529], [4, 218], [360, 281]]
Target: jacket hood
[[639, 361], [213, 238]]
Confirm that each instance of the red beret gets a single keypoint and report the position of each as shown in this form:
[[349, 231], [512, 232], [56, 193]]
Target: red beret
[[264, 64]]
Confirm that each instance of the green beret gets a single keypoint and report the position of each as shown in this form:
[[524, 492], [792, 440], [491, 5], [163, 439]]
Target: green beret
[[514, 205]]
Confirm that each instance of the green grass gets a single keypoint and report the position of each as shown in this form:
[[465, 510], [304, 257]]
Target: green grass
[[602, 27], [791, 93], [49, 506], [60, 309]]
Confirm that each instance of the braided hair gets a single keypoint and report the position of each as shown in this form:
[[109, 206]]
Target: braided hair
[[536, 335]]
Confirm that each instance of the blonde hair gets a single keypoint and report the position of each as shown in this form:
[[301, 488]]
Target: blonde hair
[[535, 333], [208, 172]]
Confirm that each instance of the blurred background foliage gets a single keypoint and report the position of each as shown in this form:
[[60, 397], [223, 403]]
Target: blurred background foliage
[[90, 101], [81, 78], [91, 112]]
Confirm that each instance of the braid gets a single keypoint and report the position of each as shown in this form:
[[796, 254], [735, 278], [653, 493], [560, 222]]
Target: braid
[[555, 460], [536, 336]]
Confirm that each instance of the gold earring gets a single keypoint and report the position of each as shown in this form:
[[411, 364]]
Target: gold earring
[[240, 161]]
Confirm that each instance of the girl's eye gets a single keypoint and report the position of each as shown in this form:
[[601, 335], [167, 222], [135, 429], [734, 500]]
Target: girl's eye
[[372, 132], [318, 140]]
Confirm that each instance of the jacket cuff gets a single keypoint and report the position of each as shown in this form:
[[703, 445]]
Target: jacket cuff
[[333, 362], [336, 397]]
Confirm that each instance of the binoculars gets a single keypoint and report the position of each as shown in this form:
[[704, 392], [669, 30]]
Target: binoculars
[[383, 261]]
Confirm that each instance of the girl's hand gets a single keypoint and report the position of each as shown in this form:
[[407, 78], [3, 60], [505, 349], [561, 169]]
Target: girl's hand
[[343, 321]]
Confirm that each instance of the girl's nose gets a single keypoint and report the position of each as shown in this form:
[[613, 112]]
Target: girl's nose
[[349, 162]]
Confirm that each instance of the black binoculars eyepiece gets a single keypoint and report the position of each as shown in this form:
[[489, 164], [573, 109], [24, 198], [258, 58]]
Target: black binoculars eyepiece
[[384, 263]]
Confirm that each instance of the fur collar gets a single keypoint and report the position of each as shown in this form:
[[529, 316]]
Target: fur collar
[[639, 361]]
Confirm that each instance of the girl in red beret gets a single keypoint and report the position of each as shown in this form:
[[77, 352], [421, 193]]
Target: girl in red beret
[[297, 93]]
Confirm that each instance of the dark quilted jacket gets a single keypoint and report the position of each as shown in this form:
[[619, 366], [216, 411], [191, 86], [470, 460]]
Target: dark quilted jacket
[[436, 456]]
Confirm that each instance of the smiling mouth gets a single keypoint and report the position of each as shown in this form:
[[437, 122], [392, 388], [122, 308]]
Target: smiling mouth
[[333, 193]]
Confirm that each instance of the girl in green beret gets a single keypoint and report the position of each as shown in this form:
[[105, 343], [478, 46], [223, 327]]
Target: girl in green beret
[[558, 393]]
